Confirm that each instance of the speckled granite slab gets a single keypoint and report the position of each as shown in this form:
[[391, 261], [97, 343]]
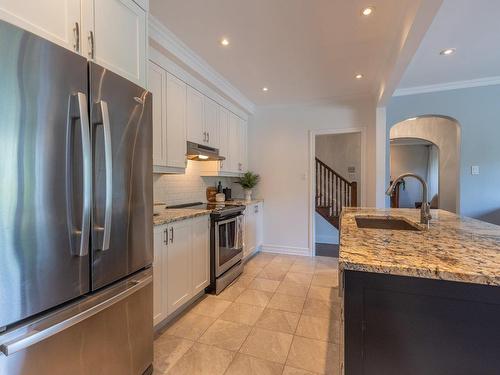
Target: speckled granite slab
[[454, 248], [238, 202], [176, 214]]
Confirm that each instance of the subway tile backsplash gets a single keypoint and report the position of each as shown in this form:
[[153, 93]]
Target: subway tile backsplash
[[173, 189]]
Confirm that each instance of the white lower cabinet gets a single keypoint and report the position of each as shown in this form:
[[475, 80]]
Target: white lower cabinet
[[201, 254], [159, 274], [252, 235], [181, 264], [179, 267]]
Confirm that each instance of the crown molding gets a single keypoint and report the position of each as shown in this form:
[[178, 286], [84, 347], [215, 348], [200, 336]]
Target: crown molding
[[168, 40], [488, 81]]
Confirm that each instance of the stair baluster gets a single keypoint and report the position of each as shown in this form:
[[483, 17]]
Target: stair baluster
[[333, 193]]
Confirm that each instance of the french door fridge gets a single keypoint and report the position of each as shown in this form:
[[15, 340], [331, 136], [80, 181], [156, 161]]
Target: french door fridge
[[75, 212]]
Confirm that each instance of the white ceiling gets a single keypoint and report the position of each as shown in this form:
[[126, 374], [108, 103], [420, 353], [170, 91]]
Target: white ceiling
[[303, 50], [470, 26]]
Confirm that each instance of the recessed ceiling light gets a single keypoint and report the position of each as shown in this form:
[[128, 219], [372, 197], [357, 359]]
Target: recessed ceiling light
[[265, 89], [224, 42], [367, 11], [358, 76], [447, 51]]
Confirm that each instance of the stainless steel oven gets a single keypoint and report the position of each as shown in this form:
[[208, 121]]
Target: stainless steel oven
[[226, 243]]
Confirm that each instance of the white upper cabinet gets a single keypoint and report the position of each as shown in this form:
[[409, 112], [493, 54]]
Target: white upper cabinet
[[243, 146], [211, 124], [234, 143], [56, 20], [156, 84], [195, 116], [110, 32], [117, 38], [176, 122], [224, 138], [169, 120]]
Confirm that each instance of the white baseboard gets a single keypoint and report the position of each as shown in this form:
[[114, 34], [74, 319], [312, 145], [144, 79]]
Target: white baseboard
[[327, 239], [290, 250]]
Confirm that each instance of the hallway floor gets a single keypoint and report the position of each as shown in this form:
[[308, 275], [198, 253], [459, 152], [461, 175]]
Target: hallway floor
[[281, 316], [327, 250]]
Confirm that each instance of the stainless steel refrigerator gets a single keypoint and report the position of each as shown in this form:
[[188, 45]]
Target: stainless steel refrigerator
[[76, 236]]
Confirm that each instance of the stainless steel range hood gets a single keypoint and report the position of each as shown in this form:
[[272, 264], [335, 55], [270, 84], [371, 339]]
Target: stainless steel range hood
[[199, 152]]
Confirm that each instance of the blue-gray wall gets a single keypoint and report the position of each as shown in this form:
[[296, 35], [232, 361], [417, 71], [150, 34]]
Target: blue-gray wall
[[477, 110]]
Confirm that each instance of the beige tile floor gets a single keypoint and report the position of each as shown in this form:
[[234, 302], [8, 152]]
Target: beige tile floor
[[281, 316]]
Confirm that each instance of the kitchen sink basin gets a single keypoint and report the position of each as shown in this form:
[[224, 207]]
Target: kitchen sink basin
[[392, 223]]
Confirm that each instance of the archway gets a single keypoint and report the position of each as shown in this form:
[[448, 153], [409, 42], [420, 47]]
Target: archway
[[444, 133]]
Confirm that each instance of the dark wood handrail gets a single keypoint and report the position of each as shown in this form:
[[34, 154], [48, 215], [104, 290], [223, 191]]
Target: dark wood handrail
[[333, 191]]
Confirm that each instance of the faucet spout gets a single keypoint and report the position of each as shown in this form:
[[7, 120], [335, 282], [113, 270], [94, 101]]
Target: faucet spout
[[425, 209]]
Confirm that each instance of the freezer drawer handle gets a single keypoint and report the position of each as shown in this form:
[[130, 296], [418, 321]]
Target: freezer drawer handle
[[34, 337]]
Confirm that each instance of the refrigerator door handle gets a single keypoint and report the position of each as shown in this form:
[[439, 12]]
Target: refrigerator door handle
[[35, 336], [87, 174], [108, 156]]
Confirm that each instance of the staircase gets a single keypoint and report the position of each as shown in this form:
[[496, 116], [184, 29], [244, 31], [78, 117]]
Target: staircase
[[333, 192]]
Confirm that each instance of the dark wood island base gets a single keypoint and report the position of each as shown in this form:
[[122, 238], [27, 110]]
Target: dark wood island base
[[416, 326]]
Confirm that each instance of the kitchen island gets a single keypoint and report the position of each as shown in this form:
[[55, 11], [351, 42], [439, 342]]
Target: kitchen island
[[424, 301]]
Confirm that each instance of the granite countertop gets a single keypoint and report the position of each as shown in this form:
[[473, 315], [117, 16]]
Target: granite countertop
[[170, 215], [177, 214], [453, 248], [238, 202]]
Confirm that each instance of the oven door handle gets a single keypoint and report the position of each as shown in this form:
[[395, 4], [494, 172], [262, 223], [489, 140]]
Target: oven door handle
[[221, 222]]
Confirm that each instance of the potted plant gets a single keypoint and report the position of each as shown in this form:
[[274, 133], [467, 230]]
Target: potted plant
[[248, 181]]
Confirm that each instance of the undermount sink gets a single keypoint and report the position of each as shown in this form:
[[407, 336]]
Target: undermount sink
[[392, 223]]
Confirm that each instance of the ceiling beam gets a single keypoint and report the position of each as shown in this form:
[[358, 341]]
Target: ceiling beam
[[415, 25]]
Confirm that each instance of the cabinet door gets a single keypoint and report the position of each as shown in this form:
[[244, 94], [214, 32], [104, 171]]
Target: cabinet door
[[259, 226], [195, 117], [250, 230], [176, 122], [201, 254], [243, 145], [224, 139], [159, 274], [234, 143], [56, 20], [211, 128], [179, 261], [119, 38], [156, 84]]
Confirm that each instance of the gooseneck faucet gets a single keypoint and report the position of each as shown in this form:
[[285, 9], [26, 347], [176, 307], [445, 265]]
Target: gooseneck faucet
[[425, 209]]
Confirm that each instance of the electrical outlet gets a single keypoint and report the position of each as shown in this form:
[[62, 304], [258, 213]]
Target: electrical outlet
[[474, 170]]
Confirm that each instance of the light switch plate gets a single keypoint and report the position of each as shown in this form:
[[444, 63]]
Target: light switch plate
[[474, 170]]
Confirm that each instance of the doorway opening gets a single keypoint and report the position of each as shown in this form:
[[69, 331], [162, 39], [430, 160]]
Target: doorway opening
[[430, 147], [420, 157], [337, 184]]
